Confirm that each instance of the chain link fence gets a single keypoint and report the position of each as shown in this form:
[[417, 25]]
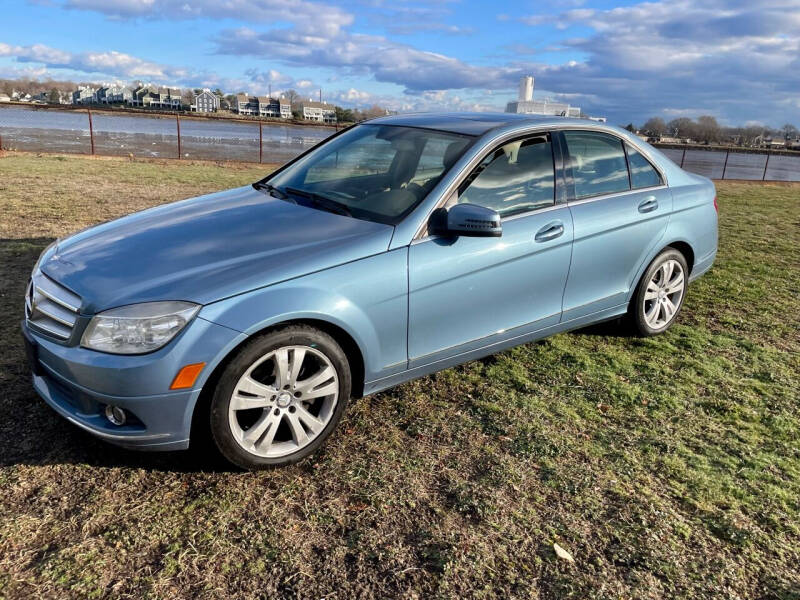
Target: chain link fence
[[88, 131]]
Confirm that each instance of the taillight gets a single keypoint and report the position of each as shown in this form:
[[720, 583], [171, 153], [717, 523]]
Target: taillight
[[716, 208]]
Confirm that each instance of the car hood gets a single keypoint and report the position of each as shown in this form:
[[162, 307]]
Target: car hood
[[207, 248]]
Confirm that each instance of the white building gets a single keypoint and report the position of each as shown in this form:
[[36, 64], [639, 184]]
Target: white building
[[318, 111], [525, 104]]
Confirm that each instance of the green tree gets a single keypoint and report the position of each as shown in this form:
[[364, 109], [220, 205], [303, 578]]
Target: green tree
[[54, 97], [344, 115]]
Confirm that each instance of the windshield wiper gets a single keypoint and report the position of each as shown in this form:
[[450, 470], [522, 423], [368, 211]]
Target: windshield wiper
[[274, 191], [322, 202]]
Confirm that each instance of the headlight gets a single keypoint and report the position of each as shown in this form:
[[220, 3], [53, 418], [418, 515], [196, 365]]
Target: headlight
[[137, 328]]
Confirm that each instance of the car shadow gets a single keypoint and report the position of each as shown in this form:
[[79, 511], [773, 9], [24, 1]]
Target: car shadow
[[617, 328]]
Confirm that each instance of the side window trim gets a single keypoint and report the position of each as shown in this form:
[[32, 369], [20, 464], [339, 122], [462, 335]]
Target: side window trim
[[570, 182]]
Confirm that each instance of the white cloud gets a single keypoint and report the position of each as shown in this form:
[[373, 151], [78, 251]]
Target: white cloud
[[113, 63], [729, 58], [307, 16], [359, 54]]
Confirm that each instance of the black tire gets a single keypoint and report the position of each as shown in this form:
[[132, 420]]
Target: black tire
[[293, 335], [636, 310]]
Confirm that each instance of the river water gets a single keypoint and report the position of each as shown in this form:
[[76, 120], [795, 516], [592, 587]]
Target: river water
[[50, 130], [153, 136]]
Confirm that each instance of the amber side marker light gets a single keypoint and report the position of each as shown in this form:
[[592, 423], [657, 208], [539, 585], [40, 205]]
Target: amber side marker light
[[187, 376]]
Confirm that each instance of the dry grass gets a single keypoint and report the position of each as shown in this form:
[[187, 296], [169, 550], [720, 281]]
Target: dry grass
[[668, 467]]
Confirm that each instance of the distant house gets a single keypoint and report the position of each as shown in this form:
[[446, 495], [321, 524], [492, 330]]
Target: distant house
[[83, 95], [146, 96], [274, 107], [206, 101], [268, 107], [245, 105], [117, 94], [166, 98], [317, 111], [5, 98], [99, 96]]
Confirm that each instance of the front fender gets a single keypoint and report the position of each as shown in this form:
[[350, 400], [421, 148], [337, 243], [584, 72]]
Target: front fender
[[366, 298]]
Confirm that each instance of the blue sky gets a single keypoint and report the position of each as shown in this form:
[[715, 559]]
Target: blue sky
[[736, 60]]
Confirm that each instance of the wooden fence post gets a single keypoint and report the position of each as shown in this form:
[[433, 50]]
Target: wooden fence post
[[683, 157], [91, 130], [178, 124], [766, 166], [260, 142]]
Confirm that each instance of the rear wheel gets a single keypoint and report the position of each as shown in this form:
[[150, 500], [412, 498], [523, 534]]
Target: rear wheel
[[660, 293], [280, 398]]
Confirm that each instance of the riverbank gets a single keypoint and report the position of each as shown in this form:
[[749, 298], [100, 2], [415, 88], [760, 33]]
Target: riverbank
[[184, 114]]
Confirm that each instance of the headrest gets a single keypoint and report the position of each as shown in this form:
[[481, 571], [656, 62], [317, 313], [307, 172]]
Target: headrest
[[452, 153]]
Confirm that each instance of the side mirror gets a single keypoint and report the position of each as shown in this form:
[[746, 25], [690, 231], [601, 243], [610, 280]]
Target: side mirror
[[469, 220]]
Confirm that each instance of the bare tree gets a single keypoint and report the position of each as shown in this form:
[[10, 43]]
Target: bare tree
[[292, 96], [655, 126], [789, 131], [708, 130], [682, 127], [187, 97]]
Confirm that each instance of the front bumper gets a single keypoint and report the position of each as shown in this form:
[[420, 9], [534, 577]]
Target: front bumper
[[79, 383]]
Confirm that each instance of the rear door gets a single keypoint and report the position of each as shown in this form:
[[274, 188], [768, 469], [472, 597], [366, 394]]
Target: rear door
[[470, 292], [618, 215]]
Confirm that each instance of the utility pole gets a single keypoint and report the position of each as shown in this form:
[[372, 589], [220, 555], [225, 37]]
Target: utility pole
[[320, 94]]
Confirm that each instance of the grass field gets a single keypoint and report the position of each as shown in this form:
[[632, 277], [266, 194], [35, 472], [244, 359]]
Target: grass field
[[668, 467]]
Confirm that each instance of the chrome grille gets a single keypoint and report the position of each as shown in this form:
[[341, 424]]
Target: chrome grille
[[51, 307]]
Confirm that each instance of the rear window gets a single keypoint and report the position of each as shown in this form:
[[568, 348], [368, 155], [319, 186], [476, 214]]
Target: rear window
[[643, 173]]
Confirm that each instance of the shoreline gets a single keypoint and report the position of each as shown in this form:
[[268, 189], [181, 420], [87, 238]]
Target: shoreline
[[183, 114]]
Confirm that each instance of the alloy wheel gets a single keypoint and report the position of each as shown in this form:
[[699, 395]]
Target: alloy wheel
[[283, 401], [664, 294]]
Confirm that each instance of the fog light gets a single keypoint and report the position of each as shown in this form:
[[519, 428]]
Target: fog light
[[115, 415]]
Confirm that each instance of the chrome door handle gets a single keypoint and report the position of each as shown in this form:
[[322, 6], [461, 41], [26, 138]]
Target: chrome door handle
[[549, 232], [649, 204]]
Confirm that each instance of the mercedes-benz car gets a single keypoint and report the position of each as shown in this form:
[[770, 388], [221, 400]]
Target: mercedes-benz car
[[395, 248]]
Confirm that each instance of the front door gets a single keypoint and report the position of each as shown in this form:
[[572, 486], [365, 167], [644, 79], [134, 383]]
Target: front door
[[469, 292]]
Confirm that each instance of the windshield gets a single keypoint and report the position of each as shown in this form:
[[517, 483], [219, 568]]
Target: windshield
[[374, 172]]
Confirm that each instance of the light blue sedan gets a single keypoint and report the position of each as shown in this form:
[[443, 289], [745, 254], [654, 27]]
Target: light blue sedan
[[394, 249]]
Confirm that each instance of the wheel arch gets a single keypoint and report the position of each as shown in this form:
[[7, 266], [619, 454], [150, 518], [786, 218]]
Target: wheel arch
[[355, 356], [684, 248], [680, 245]]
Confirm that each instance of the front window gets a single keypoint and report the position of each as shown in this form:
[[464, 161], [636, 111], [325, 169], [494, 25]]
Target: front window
[[374, 172], [519, 177]]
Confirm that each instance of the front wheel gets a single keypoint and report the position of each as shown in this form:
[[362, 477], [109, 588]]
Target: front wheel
[[660, 293], [280, 398]]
